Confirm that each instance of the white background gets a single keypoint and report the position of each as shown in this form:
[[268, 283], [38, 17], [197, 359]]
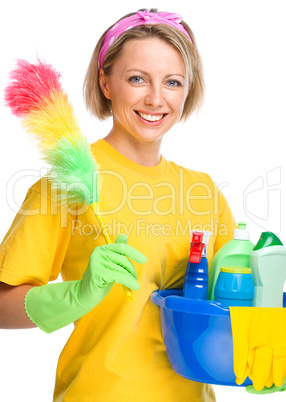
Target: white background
[[237, 137]]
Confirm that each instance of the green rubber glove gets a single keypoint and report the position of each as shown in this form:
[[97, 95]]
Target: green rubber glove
[[265, 390], [56, 305]]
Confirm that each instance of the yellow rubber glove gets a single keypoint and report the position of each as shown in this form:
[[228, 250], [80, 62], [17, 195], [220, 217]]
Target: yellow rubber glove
[[259, 345], [241, 325], [265, 390], [268, 340]]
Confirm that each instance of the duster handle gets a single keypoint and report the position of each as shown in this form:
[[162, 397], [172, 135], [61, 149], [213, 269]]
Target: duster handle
[[97, 213]]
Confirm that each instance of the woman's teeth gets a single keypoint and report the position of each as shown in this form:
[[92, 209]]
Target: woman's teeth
[[149, 117]]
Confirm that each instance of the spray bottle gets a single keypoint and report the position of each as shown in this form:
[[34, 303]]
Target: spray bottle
[[268, 263], [196, 277], [236, 252]]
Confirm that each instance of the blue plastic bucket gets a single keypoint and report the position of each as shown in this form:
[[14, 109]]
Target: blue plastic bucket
[[198, 337]]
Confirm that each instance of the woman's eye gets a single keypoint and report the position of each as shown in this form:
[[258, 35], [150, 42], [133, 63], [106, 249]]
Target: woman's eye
[[174, 83], [136, 79]]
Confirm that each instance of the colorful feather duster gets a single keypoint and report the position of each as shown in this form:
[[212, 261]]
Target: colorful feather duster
[[36, 96]]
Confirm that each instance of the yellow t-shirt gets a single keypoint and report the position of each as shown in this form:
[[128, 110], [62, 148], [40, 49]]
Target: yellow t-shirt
[[116, 351]]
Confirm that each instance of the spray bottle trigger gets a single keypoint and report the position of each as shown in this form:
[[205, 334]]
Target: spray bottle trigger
[[196, 248]]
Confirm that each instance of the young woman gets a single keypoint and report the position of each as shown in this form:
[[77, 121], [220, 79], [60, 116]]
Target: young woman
[[146, 73]]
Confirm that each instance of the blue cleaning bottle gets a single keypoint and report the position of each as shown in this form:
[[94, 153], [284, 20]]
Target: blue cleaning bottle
[[196, 276]]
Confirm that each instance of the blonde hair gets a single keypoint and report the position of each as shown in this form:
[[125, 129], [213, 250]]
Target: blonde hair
[[101, 107]]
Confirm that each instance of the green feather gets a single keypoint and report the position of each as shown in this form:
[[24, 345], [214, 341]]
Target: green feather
[[73, 172]]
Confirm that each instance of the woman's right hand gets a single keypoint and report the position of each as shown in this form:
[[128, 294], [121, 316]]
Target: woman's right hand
[[55, 305], [109, 264]]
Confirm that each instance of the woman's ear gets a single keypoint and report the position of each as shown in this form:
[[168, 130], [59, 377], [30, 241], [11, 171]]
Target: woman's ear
[[104, 84]]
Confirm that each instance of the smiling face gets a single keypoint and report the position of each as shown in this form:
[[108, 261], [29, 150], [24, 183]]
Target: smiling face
[[147, 88]]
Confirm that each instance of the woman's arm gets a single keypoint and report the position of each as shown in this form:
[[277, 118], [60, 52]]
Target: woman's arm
[[12, 310], [55, 305]]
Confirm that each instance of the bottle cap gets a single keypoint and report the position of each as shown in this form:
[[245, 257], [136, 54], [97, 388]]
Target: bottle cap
[[236, 270], [267, 239], [198, 245], [241, 233]]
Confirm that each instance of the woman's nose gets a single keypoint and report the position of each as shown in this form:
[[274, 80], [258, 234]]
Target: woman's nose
[[154, 96]]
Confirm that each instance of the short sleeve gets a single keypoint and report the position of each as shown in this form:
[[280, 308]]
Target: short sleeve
[[226, 224], [35, 246]]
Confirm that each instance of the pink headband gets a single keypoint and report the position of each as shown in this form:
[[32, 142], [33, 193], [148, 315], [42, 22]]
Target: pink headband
[[140, 18]]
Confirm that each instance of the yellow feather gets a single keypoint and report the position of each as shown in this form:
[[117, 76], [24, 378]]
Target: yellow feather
[[53, 120]]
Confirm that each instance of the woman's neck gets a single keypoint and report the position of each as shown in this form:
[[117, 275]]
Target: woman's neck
[[145, 153]]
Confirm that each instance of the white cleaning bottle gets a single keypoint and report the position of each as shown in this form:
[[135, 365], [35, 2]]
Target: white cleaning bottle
[[268, 263]]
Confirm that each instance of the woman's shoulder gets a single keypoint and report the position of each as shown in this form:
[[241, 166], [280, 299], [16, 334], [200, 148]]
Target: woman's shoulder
[[189, 174], [41, 187]]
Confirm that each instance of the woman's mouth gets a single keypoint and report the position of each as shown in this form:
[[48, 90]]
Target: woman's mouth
[[150, 118]]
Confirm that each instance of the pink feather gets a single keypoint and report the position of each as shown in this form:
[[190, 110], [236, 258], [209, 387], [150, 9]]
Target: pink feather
[[30, 85]]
